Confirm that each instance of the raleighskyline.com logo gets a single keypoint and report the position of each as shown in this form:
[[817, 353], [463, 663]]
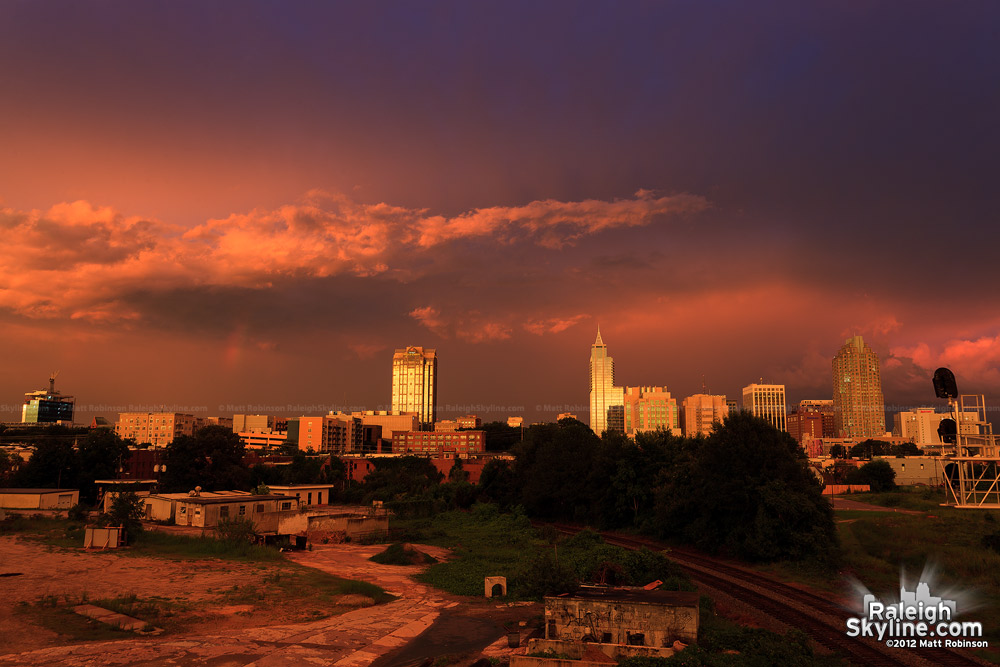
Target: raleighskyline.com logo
[[918, 620]]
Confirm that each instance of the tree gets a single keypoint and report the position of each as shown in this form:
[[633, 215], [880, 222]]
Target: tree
[[878, 474], [869, 448], [635, 465], [303, 469], [838, 451], [401, 478], [905, 449], [54, 463], [745, 490], [497, 484], [458, 473], [102, 454], [334, 472], [8, 466], [125, 511], [499, 437], [212, 458], [557, 465]]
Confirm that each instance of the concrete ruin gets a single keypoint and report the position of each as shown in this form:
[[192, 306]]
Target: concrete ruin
[[624, 619]]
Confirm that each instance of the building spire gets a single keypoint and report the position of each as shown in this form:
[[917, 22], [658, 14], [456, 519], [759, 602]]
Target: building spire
[[598, 341]]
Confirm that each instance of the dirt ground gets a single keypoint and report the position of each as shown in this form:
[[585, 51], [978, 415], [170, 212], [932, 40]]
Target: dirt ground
[[200, 590]]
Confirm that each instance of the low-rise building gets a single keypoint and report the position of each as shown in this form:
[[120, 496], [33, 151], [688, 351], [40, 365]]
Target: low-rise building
[[309, 495], [461, 444], [265, 441], [38, 499], [154, 428], [336, 524], [811, 419], [206, 511], [917, 470]]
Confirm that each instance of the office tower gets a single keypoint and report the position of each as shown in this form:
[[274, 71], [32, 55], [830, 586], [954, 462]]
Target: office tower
[[47, 407], [414, 383], [766, 401], [700, 411], [605, 397], [858, 408], [650, 409]]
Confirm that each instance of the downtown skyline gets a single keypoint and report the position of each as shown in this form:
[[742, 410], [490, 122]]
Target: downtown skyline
[[207, 206]]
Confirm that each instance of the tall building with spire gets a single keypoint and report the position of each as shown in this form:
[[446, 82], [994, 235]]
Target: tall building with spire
[[605, 398], [858, 406], [414, 383]]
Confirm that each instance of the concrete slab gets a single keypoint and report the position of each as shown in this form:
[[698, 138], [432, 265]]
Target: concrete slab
[[110, 617]]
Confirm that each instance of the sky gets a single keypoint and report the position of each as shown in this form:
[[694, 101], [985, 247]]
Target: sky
[[247, 206]]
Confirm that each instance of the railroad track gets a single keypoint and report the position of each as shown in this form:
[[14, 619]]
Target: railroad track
[[824, 621]]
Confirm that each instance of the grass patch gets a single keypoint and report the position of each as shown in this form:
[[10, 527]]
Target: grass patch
[[65, 534], [56, 613], [875, 546], [486, 543], [921, 498], [59, 533], [156, 611], [310, 587], [157, 544]]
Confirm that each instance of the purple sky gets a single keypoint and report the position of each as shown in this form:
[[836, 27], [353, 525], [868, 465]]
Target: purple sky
[[252, 204]]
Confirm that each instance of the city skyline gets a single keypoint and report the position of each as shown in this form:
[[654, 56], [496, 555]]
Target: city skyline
[[255, 205]]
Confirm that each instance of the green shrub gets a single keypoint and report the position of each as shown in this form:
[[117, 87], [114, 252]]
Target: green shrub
[[544, 575], [77, 512], [238, 530]]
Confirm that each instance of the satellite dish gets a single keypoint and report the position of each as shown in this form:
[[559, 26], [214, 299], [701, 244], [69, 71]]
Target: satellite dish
[[947, 431], [944, 384]]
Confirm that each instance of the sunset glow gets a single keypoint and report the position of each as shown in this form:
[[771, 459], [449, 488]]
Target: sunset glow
[[255, 204]]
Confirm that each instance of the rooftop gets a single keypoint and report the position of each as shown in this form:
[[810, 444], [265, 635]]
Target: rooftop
[[674, 598], [9, 491]]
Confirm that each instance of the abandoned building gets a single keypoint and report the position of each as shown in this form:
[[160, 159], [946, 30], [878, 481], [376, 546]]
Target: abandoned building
[[206, 512], [632, 617]]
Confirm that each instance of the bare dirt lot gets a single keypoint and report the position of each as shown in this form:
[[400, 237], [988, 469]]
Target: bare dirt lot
[[189, 597]]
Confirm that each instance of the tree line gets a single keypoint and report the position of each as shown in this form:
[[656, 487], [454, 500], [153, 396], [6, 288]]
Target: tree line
[[744, 490]]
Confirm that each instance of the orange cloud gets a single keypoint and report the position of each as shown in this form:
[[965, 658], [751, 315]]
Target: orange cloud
[[975, 362], [430, 317], [552, 325], [471, 327], [79, 259], [555, 223]]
